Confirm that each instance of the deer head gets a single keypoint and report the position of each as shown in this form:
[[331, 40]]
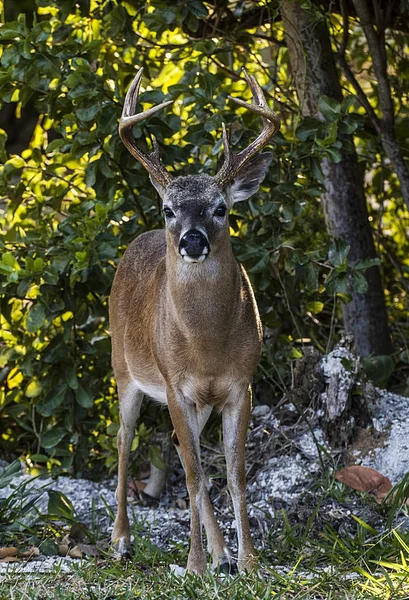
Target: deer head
[[196, 207]]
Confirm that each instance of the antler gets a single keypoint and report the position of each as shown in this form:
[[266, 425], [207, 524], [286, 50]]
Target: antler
[[151, 161], [271, 124]]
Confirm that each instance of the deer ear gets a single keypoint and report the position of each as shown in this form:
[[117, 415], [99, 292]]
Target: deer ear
[[249, 179], [158, 187]]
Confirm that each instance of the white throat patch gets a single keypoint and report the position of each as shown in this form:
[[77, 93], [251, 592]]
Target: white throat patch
[[191, 259]]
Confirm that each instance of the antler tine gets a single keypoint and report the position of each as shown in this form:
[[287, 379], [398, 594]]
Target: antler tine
[[151, 161], [271, 124], [226, 144]]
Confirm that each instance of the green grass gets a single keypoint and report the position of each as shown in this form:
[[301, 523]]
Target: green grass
[[314, 557], [107, 580], [328, 566]]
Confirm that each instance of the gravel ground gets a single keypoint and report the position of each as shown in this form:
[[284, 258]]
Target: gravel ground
[[283, 461]]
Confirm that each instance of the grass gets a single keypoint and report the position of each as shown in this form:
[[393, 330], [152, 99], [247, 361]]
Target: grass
[[361, 552]]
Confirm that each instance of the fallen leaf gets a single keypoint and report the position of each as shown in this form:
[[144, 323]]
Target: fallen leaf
[[62, 549], [75, 552], [365, 479], [135, 487], [32, 552], [78, 532], [66, 540], [6, 552], [181, 503], [89, 549]]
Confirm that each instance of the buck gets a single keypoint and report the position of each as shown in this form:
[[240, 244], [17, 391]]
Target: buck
[[185, 326]]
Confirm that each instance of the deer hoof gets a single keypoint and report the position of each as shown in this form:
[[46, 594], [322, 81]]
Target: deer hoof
[[148, 500], [248, 563], [196, 565], [123, 548], [228, 568]]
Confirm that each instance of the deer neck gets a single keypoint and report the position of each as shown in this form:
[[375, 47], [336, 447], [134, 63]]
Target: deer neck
[[203, 294]]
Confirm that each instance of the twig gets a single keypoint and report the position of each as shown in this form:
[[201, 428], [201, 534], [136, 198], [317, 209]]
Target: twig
[[349, 74], [378, 54]]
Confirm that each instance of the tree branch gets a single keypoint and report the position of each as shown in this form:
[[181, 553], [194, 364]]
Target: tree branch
[[341, 59], [385, 125], [378, 54]]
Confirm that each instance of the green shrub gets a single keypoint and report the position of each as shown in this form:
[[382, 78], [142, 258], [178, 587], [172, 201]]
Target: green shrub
[[74, 198]]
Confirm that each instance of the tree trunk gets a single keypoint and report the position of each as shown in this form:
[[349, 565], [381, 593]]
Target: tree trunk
[[315, 74]]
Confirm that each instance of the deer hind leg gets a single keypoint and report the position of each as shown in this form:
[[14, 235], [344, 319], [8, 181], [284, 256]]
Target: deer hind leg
[[236, 414], [216, 545], [130, 399], [156, 483]]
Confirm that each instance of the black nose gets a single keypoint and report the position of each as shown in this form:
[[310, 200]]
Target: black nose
[[193, 243]]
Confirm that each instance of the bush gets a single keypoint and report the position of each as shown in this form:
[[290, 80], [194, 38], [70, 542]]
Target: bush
[[74, 198]]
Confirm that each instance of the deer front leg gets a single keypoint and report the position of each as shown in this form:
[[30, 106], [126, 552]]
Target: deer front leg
[[130, 404], [236, 414], [185, 422], [216, 545]]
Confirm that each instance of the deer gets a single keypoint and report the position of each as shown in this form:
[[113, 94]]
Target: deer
[[185, 326]]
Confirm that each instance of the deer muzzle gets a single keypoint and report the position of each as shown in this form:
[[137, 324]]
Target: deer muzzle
[[194, 246]]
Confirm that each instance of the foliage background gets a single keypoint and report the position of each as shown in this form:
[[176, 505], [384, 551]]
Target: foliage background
[[72, 199]]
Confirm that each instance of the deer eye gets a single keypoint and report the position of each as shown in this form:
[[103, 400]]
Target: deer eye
[[220, 211], [168, 212]]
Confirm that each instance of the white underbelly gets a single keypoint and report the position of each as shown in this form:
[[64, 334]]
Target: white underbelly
[[156, 392]]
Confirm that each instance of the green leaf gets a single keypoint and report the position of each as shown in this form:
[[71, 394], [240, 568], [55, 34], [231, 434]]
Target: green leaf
[[345, 298], [9, 473], [52, 437], [329, 107], [71, 376], [338, 252], [311, 277], [89, 113], [113, 428], [308, 129], [197, 8], [3, 140], [379, 368], [152, 97], [34, 389], [315, 307], [156, 458], [404, 356], [10, 260], [349, 102], [59, 505], [337, 282], [84, 399], [35, 318], [41, 458], [359, 283], [213, 123], [367, 263], [335, 154], [262, 264], [48, 548], [38, 265], [329, 138]]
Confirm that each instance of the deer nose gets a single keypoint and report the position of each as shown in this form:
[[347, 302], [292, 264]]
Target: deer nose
[[193, 244]]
